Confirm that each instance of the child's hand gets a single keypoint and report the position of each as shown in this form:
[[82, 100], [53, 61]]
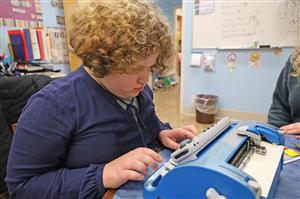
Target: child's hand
[[171, 138], [293, 128], [130, 166]]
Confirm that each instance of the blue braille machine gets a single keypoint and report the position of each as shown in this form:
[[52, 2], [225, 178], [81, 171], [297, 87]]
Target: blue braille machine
[[229, 160]]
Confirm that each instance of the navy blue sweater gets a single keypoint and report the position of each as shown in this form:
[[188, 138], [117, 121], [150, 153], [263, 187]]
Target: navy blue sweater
[[66, 134], [285, 108]]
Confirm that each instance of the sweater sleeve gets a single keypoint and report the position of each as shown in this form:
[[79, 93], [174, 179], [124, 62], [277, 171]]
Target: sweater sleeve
[[280, 111], [35, 166], [162, 125]]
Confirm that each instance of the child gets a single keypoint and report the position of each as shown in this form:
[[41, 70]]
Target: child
[[285, 109], [97, 127]]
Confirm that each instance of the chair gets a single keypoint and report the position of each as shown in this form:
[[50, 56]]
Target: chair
[[14, 93]]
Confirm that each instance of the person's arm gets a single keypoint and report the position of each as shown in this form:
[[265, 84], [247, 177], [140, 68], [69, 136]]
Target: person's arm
[[35, 166], [280, 112]]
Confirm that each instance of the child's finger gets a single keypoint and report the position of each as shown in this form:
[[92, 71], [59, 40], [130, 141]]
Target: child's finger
[[154, 155], [192, 129], [290, 126], [138, 166], [131, 175], [292, 131], [182, 133], [172, 144], [148, 161]]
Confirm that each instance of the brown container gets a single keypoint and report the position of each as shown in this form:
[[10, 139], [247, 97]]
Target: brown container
[[205, 118]]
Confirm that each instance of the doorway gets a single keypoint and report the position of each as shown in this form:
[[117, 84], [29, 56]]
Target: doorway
[[178, 38]]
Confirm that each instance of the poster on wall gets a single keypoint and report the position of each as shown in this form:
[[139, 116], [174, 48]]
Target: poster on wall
[[21, 13], [58, 45], [57, 3]]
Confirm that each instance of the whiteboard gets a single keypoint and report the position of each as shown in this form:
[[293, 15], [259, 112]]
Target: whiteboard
[[245, 24]]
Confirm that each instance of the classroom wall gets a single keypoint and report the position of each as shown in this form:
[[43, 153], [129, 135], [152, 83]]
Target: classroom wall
[[49, 20], [168, 8], [245, 93]]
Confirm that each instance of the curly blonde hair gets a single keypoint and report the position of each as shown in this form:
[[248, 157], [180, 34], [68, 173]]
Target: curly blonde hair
[[295, 60], [111, 36]]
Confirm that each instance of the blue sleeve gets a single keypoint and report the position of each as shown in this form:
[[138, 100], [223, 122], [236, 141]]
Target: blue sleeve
[[280, 111], [163, 125], [40, 144]]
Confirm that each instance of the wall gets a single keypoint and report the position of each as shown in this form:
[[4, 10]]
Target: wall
[[49, 20], [245, 23], [168, 8], [245, 93]]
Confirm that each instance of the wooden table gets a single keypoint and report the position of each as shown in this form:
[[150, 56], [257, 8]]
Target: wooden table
[[109, 194], [14, 127]]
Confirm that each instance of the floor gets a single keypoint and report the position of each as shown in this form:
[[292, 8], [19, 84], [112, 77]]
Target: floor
[[167, 103]]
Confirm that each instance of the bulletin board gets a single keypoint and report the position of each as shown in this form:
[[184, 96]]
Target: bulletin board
[[25, 13], [245, 24]]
